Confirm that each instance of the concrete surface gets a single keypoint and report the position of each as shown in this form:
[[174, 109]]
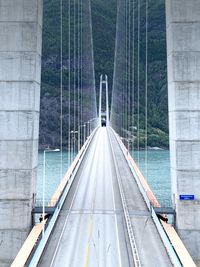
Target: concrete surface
[[91, 228], [20, 71], [183, 54]]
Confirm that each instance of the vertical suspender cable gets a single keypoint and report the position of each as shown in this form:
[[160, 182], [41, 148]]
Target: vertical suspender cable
[[78, 74], [129, 67], [61, 88], [123, 71], [73, 135], [93, 94], [138, 84], [133, 78], [120, 26], [81, 70], [146, 94], [69, 82], [113, 108], [126, 72]]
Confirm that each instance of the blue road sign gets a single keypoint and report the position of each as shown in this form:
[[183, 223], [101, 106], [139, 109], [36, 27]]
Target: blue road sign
[[186, 197]]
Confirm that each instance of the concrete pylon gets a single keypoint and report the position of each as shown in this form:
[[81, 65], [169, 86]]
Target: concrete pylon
[[183, 54], [20, 72]]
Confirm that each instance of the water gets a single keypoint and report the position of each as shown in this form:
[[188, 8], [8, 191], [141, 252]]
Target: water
[[53, 172], [158, 175]]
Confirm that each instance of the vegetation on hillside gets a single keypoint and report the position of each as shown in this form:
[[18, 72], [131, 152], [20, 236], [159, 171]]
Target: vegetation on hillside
[[104, 31]]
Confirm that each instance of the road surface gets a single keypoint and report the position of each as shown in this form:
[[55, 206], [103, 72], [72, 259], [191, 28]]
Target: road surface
[[91, 229]]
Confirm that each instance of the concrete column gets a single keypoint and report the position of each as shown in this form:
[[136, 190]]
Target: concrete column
[[20, 71], [183, 54]]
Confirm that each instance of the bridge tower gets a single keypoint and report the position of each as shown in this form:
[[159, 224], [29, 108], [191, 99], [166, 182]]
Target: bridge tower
[[20, 71], [103, 114], [183, 53]]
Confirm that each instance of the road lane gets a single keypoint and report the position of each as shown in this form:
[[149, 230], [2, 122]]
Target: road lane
[[150, 247]]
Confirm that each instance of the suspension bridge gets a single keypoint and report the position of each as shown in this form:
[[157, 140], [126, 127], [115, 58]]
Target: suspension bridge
[[103, 212]]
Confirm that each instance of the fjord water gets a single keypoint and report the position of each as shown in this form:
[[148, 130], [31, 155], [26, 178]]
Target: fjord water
[[53, 172], [158, 172]]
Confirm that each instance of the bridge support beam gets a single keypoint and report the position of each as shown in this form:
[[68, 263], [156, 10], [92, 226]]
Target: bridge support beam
[[183, 51], [20, 71]]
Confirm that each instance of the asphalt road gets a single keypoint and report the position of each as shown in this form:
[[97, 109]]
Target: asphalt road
[[91, 229]]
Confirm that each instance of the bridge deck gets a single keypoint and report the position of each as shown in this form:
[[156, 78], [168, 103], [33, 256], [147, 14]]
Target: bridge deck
[[91, 228]]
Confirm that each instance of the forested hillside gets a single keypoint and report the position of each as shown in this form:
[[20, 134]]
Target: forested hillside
[[104, 29]]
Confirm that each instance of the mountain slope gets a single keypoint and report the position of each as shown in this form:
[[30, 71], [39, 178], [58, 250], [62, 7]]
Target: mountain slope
[[104, 30]]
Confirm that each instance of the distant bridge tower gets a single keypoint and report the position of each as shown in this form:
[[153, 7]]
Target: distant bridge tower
[[103, 114], [20, 71], [183, 52]]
